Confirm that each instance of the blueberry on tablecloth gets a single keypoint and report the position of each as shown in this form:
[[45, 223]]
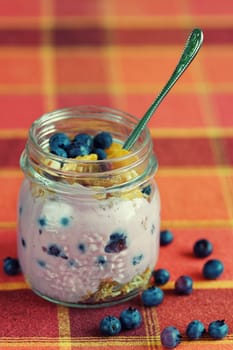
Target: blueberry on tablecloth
[[130, 318], [170, 337], [184, 285], [195, 329], [110, 325], [152, 296], [202, 248], [218, 329], [212, 269], [166, 237], [11, 266]]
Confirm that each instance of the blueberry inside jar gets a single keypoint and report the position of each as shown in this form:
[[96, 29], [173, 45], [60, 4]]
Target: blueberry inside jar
[[90, 228]]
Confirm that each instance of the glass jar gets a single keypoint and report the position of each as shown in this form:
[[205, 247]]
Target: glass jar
[[88, 230]]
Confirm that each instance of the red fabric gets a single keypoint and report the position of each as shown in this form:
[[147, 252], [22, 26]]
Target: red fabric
[[57, 53]]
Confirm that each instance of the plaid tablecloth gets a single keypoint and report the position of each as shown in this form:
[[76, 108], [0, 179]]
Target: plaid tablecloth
[[119, 53]]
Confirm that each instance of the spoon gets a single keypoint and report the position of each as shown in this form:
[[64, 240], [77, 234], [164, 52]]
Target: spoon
[[191, 48]]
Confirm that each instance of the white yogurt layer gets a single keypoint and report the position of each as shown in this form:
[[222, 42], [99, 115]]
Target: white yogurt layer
[[67, 248]]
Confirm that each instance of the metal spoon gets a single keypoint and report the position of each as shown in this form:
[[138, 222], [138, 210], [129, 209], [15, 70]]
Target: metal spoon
[[191, 48]]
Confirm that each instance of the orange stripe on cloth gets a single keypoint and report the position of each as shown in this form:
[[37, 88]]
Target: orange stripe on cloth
[[178, 224]]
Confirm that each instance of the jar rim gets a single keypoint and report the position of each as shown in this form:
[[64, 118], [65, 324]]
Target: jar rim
[[36, 150], [50, 116]]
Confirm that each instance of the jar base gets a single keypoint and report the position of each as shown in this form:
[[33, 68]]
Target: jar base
[[83, 305]]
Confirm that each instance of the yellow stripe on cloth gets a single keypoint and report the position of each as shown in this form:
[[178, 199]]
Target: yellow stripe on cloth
[[197, 223], [4, 286], [84, 342], [210, 132], [165, 223], [64, 318], [209, 284], [64, 327]]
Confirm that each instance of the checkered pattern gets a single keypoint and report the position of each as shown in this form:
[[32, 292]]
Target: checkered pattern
[[118, 53]]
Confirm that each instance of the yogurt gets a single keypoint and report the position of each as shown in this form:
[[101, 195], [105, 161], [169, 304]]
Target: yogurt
[[70, 251]]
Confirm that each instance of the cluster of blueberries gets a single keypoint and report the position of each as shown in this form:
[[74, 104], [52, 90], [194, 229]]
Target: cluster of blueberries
[[81, 145], [171, 337], [154, 296], [202, 248], [130, 318]]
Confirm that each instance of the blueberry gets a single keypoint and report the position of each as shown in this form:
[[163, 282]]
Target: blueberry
[[20, 211], [82, 248], [153, 296], [195, 329], [116, 236], [152, 230], [110, 325], [166, 237], [137, 259], [65, 221], [59, 152], [218, 329], [75, 150], [202, 248], [170, 337], [85, 140], [23, 242], [58, 140], [11, 266], [212, 269], [184, 285], [116, 243], [147, 190], [100, 153], [161, 276], [130, 318], [72, 263], [101, 260], [54, 250], [41, 263], [42, 221], [102, 140]]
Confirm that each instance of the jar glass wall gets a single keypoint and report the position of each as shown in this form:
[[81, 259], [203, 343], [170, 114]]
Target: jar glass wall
[[88, 230]]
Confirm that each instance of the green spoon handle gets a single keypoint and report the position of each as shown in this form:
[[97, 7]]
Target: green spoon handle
[[191, 48]]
